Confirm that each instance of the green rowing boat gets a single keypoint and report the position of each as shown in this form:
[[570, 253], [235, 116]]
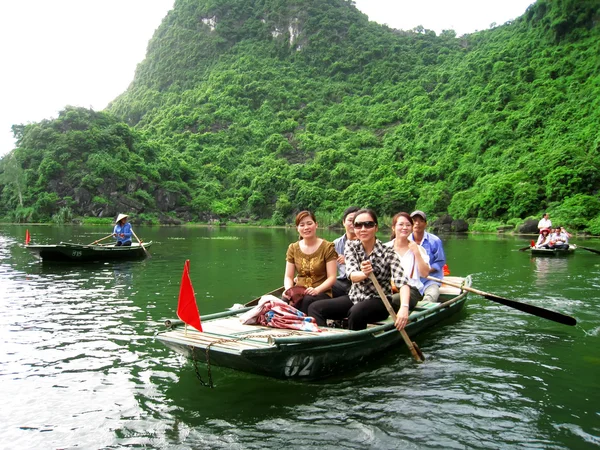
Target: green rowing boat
[[553, 251], [70, 252], [301, 355]]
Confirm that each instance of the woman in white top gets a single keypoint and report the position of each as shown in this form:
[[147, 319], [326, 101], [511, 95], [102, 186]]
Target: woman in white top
[[414, 258], [544, 239]]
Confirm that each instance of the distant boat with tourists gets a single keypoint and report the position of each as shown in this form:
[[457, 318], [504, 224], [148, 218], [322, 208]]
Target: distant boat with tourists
[[553, 251]]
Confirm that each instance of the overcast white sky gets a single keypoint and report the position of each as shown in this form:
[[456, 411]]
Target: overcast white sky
[[84, 52]]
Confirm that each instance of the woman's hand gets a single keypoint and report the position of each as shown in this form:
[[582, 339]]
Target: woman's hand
[[401, 318], [366, 268], [413, 247], [311, 291], [341, 259]]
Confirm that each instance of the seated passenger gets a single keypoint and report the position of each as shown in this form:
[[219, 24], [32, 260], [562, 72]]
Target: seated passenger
[[437, 258], [560, 240], [342, 284], [312, 261], [569, 235], [543, 240], [414, 258], [364, 256]]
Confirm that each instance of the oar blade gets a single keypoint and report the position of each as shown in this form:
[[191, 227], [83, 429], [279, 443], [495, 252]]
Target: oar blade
[[593, 250], [419, 352], [535, 310], [525, 307]]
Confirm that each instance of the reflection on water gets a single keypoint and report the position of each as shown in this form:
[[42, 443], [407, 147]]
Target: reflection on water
[[80, 366], [123, 274], [549, 267]]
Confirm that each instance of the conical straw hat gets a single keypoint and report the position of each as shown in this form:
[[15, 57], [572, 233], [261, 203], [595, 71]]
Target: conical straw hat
[[121, 217]]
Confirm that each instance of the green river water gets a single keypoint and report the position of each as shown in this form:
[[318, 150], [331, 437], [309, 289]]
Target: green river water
[[80, 368]]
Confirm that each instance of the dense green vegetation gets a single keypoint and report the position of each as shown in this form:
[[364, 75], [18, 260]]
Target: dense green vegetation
[[254, 109]]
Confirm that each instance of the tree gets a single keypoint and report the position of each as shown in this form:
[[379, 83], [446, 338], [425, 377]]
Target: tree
[[13, 175]]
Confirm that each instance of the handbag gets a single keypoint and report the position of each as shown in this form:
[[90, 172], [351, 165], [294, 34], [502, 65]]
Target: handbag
[[294, 294]]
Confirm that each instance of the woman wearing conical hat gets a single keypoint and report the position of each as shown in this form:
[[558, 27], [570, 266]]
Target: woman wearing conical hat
[[122, 231]]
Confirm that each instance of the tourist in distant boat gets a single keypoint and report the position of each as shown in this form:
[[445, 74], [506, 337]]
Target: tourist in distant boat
[[566, 233], [342, 284], [437, 258], [414, 257], [543, 240], [364, 256], [544, 222], [122, 231], [310, 262], [559, 240]]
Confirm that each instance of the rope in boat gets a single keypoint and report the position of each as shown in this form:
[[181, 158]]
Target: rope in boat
[[210, 383]]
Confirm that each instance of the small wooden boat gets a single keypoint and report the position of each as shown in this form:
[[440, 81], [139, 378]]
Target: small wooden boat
[[553, 251], [302, 355], [70, 252]]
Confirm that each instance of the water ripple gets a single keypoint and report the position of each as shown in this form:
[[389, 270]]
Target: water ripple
[[80, 367]]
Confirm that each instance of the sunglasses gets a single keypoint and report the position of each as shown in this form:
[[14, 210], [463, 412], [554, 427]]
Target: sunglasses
[[368, 225]]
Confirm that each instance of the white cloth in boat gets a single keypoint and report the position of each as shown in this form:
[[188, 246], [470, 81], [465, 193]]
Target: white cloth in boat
[[274, 312]]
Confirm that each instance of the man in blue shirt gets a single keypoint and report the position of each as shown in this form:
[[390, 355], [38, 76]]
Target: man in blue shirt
[[435, 250], [342, 284]]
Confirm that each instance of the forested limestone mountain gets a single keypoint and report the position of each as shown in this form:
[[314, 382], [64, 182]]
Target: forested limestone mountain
[[254, 109]]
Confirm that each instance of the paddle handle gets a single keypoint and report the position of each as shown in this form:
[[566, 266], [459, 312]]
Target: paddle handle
[[141, 245], [390, 309], [465, 288], [100, 240], [456, 285]]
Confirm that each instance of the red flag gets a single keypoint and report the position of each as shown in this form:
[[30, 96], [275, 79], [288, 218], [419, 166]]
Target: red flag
[[532, 243], [446, 270], [27, 237], [187, 309]]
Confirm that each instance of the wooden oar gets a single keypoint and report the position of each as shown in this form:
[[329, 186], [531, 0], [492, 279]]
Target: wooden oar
[[99, 240], [141, 245], [593, 250], [525, 307], [412, 346]]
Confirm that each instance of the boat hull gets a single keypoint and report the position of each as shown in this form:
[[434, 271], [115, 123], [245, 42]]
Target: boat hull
[[69, 252], [553, 251], [290, 354]]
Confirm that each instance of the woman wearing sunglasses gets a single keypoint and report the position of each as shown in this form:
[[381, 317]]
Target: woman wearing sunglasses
[[414, 258], [364, 256], [311, 261]]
